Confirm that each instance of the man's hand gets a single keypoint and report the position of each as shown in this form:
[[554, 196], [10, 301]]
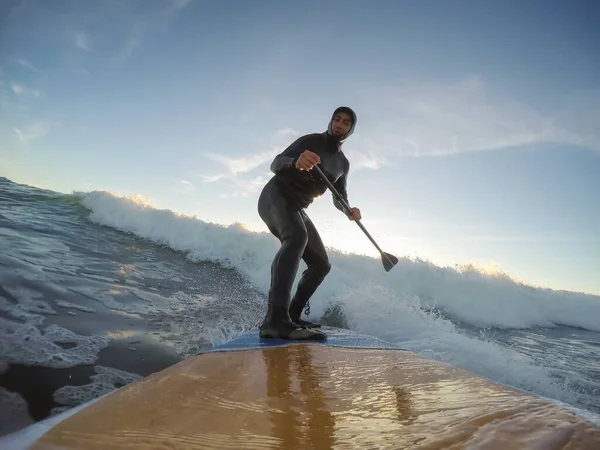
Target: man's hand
[[355, 214], [307, 160]]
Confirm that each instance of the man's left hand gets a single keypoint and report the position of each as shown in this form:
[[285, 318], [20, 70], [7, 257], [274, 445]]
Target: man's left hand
[[355, 214]]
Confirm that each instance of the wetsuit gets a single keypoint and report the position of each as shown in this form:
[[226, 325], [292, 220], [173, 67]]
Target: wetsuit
[[282, 205]]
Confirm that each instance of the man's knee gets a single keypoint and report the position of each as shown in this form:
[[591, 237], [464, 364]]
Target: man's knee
[[296, 240], [326, 268], [321, 269]]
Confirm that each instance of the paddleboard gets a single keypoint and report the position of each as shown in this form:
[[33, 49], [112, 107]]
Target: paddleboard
[[350, 391]]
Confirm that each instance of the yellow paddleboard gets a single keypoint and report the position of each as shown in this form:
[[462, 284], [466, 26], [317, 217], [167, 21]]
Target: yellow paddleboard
[[348, 392]]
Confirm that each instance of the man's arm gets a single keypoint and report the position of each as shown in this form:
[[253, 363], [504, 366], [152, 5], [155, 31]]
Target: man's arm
[[287, 159]]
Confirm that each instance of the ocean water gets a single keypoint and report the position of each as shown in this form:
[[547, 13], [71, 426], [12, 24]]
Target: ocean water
[[98, 290]]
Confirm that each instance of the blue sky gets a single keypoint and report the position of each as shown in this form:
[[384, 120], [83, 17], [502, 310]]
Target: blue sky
[[478, 136]]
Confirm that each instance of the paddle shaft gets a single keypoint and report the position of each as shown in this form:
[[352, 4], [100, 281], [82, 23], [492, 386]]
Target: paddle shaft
[[340, 199]]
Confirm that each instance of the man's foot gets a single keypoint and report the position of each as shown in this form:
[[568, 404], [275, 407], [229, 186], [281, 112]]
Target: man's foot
[[307, 323], [285, 331]]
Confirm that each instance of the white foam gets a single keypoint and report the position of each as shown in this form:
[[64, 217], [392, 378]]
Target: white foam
[[231, 246], [26, 344], [103, 382], [191, 322], [479, 299], [100, 278], [149, 297], [29, 300], [101, 295], [180, 301], [69, 305], [17, 312], [380, 312]]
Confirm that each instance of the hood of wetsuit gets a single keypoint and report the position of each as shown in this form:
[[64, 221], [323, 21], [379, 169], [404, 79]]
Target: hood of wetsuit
[[351, 113]]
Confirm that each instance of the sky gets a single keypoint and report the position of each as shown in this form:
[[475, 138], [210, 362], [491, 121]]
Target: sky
[[477, 139]]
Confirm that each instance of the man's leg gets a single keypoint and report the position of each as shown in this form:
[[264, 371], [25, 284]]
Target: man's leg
[[318, 264], [286, 223]]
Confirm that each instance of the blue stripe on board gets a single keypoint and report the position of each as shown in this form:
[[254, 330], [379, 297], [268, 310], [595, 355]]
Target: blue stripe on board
[[336, 337]]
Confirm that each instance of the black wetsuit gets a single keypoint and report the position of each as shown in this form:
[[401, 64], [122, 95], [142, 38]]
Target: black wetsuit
[[281, 205], [304, 186]]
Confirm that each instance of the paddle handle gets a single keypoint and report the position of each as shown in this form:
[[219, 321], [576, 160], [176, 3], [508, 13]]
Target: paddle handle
[[342, 201], [333, 190]]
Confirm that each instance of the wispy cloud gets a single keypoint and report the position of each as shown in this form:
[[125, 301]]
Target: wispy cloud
[[184, 187], [434, 119], [243, 164], [4, 95], [143, 23], [363, 155], [27, 64], [530, 238], [128, 46], [16, 96], [21, 90], [248, 173], [82, 71], [16, 88], [83, 41], [33, 130], [244, 187], [180, 4], [247, 163]]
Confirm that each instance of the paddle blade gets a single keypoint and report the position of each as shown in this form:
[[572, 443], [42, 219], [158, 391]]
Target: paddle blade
[[388, 261]]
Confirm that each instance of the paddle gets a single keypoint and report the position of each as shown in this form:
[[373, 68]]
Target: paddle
[[387, 259]]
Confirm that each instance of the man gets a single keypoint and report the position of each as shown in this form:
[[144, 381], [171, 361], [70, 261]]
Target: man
[[282, 205]]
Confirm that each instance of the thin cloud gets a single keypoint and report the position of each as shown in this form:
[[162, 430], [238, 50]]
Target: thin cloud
[[535, 238], [33, 131], [128, 46], [184, 187], [115, 29], [214, 177], [248, 173], [15, 96], [364, 156], [4, 95], [432, 119], [241, 171], [27, 64], [244, 164], [21, 90], [180, 4], [151, 20], [83, 41], [252, 160], [82, 71], [243, 188]]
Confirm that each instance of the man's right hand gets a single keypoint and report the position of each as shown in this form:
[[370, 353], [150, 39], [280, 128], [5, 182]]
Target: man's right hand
[[307, 160]]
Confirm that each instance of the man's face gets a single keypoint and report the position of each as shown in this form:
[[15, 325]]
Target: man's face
[[341, 124]]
